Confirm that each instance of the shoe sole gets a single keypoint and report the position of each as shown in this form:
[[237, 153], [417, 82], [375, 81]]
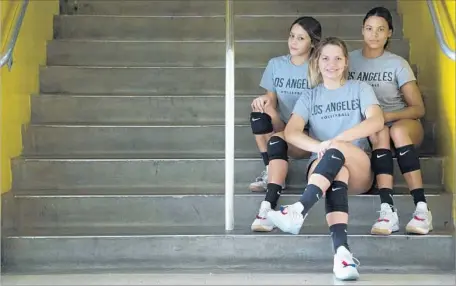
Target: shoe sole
[[417, 230], [382, 231], [261, 228], [353, 275], [257, 189]]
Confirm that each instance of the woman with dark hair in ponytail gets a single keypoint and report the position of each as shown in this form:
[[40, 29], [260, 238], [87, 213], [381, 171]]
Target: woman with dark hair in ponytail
[[285, 80], [395, 87]]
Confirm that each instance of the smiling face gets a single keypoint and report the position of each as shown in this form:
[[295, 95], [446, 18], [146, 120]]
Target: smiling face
[[376, 32], [332, 62], [299, 42]]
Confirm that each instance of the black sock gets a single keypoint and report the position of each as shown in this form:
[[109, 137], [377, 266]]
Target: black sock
[[265, 157], [339, 235], [386, 196], [311, 195], [418, 196], [273, 194]]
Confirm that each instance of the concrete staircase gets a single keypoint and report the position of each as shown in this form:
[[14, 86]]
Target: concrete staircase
[[123, 160]]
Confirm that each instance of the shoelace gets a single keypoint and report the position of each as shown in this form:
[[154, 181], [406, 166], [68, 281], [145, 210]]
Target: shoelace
[[355, 262]]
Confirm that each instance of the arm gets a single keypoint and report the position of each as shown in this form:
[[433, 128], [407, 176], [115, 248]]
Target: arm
[[271, 99], [372, 124], [294, 134], [415, 106]]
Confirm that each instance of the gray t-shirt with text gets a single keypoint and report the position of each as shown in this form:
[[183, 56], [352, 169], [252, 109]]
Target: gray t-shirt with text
[[386, 74], [331, 112], [287, 80]]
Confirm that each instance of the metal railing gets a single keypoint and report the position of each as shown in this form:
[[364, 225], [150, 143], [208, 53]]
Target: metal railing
[[7, 58], [438, 29], [229, 117]]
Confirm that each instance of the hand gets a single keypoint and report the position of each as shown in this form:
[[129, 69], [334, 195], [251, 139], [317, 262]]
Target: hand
[[323, 147], [387, 117], [259, 103]]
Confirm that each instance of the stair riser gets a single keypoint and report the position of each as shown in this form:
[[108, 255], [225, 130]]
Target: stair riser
[[154, 141], [147, 81], [202, 28], [206, 8], [171, 110], [150, 211], [308, 253], [56, 174], [107, 53]]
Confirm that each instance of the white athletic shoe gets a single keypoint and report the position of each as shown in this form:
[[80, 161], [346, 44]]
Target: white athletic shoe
[[262, 222], [345, 265], [421, 223], [288, 218], [387, 222], [261, 182]]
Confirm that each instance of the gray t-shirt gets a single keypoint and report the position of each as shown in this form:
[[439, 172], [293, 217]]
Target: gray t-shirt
[[386, 74], [287, 80], [331, 112]]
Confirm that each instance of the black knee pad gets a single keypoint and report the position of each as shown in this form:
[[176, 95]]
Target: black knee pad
[[261, 123], [337, 197], [330, 164], [407, 159], [277, 149], [382, 162]]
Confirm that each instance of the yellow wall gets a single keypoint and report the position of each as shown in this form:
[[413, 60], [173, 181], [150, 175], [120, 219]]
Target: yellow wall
[[436, 74], [19, 83]]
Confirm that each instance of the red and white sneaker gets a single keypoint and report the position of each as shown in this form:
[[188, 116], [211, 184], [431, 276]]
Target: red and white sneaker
[[345, 265], [262, 223], [288, 218], [387, 222], [421, 223]]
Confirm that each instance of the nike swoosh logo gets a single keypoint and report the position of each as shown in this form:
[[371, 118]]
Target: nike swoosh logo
[[379, 156], [334, 157], [336, 189], [255, 119], [272, 143], [402, 154]]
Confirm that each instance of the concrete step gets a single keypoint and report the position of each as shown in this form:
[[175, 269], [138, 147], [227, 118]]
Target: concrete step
[[399, 189], [152, 140], [86, 172], [40, 209], [107, 109], [147, 81], [138, 248], [176, 53], [202, 28], [217, 7]]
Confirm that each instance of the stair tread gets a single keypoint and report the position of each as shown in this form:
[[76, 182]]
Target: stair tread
[[174, 231], [155, 156], [400, 190]]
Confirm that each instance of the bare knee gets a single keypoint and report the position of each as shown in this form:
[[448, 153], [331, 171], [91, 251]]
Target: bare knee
[[398, 133], [381, 139]]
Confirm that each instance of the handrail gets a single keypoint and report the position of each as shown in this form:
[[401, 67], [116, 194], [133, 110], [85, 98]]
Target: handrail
[[7, 58], [438, 30], [229, 117]]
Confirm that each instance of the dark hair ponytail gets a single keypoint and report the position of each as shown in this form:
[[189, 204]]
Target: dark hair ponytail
[[385, 14], [313, 29]]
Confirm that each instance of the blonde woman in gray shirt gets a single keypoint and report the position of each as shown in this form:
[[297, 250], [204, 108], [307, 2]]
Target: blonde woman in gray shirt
[[341, 114], [395, 87]]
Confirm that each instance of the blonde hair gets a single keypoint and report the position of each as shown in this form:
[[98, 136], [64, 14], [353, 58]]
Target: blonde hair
[[314, 70]]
